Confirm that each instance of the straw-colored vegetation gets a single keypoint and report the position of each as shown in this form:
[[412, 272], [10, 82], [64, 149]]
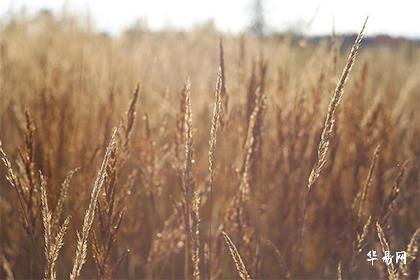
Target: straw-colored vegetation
[[187, 155]]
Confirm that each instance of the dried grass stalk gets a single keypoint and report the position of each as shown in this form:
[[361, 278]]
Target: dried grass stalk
[[52, 244], [82, 239], [191, 199], [63, 195], [131, 115], [392, 271], [332, 108], [217, 110], [390, 202], [240, 266], [255, 121], [363, 192], [413, 253], [195, 242], [361, 237], [326, 138]]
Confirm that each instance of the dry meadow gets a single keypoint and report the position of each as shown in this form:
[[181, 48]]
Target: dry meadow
[[166, 155]]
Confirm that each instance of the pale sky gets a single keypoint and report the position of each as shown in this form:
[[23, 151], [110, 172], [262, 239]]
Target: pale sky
[[392, 17]]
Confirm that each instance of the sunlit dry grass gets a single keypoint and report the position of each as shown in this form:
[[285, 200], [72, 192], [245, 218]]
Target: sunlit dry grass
[[186, 155]]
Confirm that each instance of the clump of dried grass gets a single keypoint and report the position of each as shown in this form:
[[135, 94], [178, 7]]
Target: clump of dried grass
[[53, 242], [112, 204], [23, 180]]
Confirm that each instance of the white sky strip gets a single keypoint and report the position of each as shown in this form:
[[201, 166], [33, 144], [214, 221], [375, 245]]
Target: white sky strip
[[397, 18]]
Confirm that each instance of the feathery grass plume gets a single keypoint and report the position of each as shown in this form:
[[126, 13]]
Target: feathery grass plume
[[46, 219], [186, 172], [58, 243], [217, 108], [358, 245], [195, 242], [82, 239], [21, 192], [180, 124], [361, 237], [53, 244], [191, 201], [63, 195], [408, 269], [363, 192], [325, 138], [389, 204], [26, 170], [332, 108], [12, 179], [250, 144], [240, 266], [392, 271], [109, 217], [256, 86], [111, 206], [131, 115]]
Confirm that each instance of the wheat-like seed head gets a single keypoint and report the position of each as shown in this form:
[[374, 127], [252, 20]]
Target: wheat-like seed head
[[46, 220], [392, 271], [363, 192], [361, 237], [10, 175], [390, 202], [215, 125], [195, 242], [240, 266], [332, 108], [81, 250], [131, 115], [412, 253], [249, 147], [63, 195], [52, 244]]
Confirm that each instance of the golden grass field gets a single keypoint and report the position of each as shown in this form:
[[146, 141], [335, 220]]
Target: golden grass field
[[166, 155]]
